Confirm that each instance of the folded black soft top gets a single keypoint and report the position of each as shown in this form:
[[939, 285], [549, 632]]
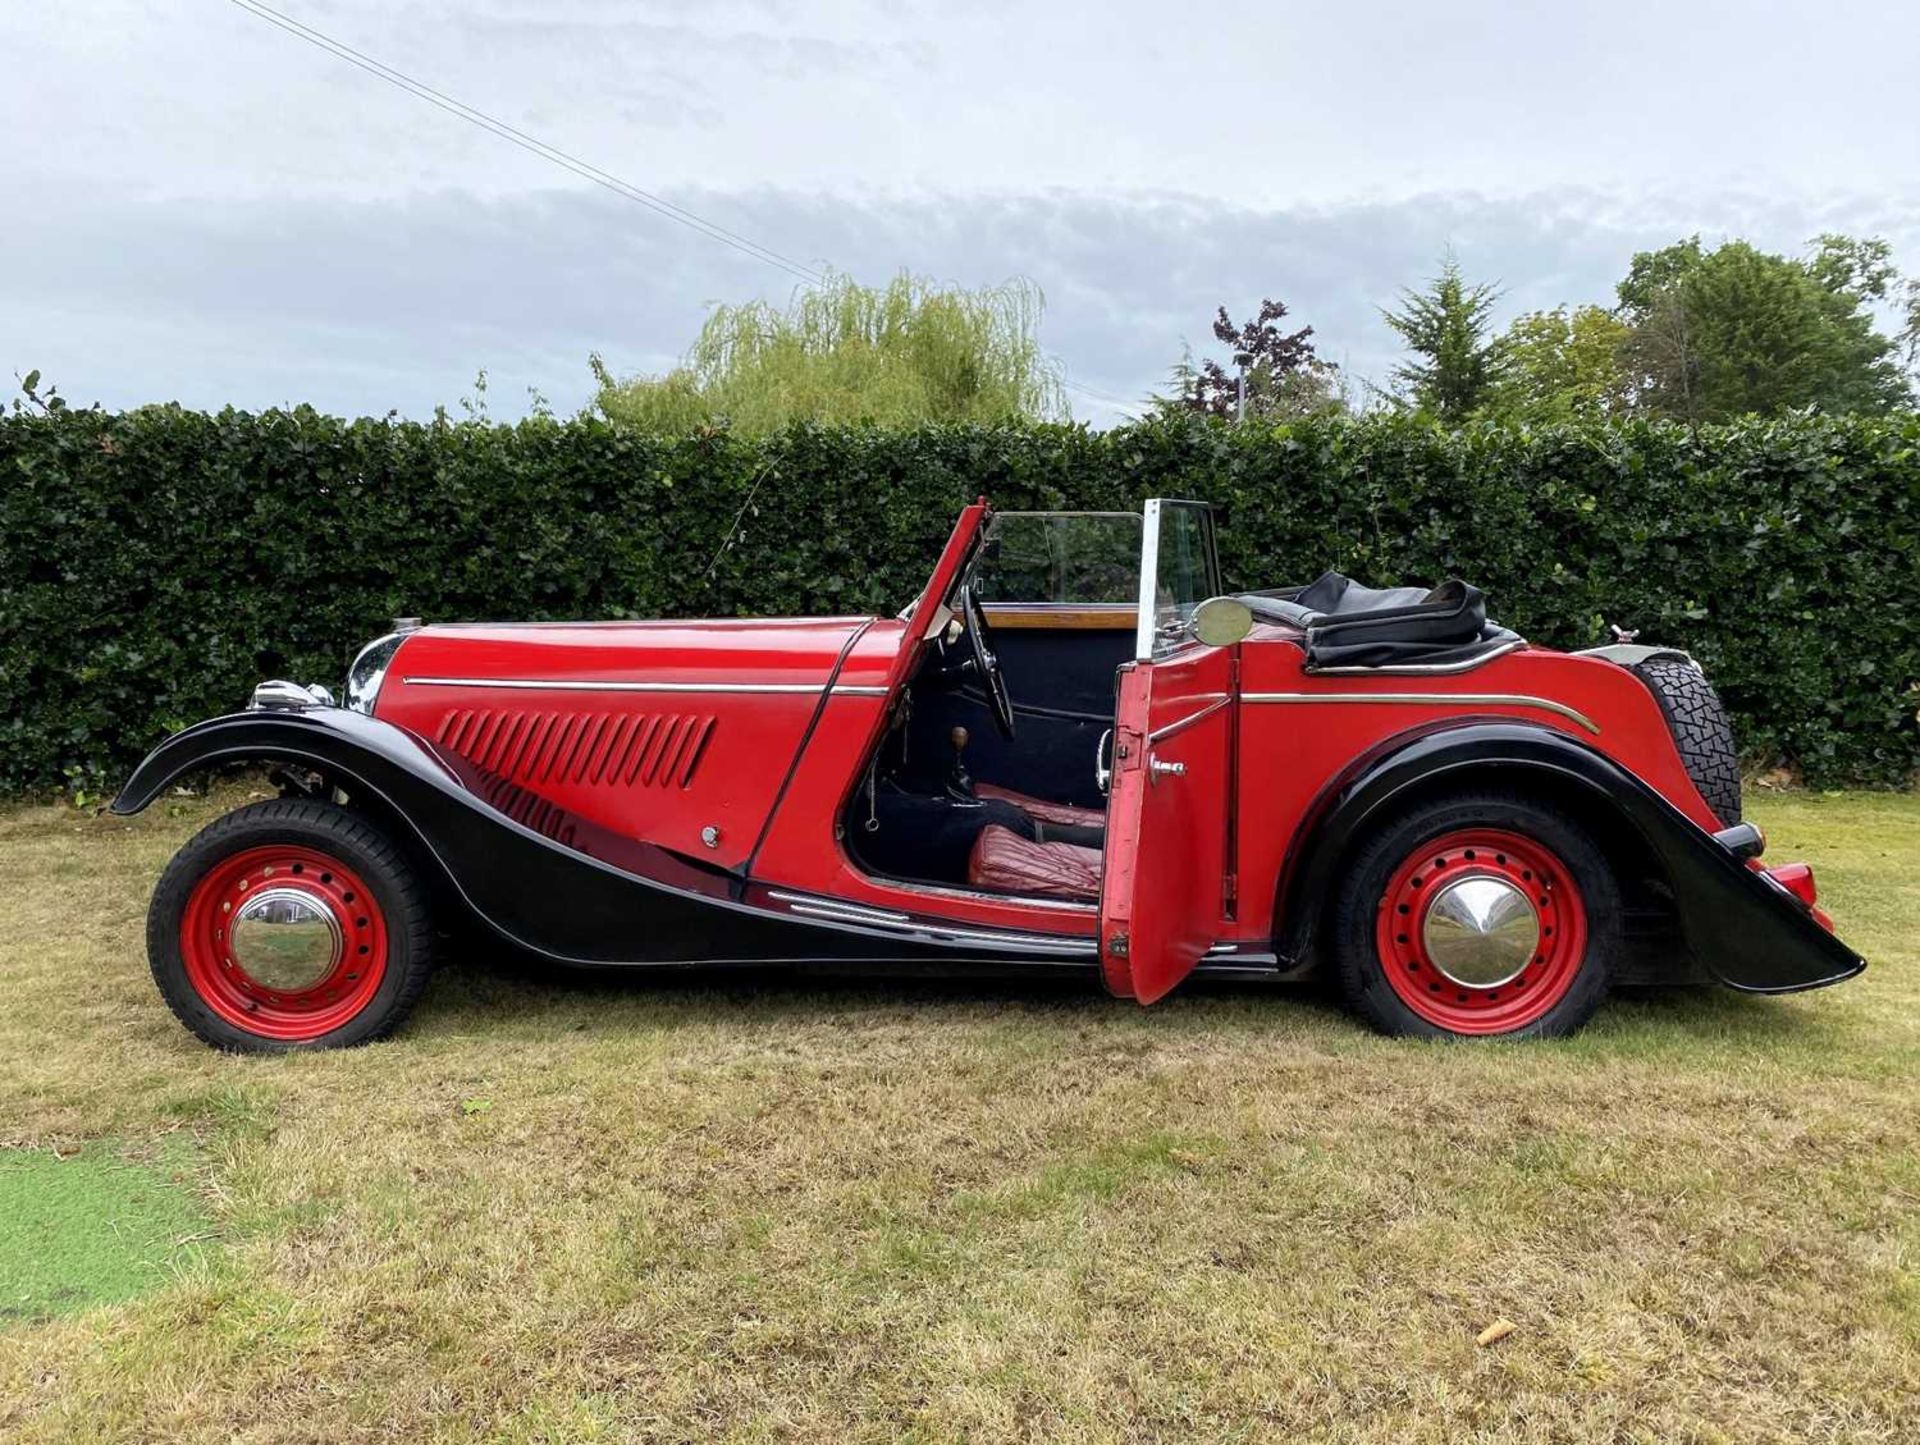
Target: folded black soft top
[[1347, 625]]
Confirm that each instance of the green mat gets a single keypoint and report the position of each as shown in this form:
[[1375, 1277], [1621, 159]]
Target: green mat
[[91, 1229]]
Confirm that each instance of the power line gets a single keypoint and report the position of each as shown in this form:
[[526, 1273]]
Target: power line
[[567, 161], [1099, 395], [659, 204], [1122, 405]]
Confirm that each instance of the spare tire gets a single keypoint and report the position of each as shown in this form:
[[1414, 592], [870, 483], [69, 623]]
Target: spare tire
[[1700, 731]]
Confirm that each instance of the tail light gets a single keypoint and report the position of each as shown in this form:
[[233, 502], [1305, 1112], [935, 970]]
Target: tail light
[[1797, 879]]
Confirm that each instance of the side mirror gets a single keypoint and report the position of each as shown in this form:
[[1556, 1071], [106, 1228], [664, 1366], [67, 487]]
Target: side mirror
[[1222, 621]]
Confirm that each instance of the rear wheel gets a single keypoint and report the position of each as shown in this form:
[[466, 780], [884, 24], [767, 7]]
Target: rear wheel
[[1489, 915], [289, 925]]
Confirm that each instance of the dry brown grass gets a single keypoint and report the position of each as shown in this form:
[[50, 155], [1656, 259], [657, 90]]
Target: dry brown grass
[[701, 1209]]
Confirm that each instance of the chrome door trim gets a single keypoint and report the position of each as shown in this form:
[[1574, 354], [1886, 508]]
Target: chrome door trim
[[1435, 699], [1180, 725]]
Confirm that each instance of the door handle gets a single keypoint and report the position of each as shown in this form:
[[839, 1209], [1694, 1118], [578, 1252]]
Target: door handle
[[1102, 774], [1157, 770]]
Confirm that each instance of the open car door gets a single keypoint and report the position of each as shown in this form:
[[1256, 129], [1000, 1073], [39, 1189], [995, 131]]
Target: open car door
[[1168, 883]]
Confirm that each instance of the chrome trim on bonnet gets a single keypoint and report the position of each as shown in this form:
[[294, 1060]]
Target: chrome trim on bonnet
[[566, 684], [1436, 699]]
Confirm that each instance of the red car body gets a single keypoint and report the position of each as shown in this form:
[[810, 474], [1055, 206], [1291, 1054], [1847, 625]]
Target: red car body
[[625, 793]]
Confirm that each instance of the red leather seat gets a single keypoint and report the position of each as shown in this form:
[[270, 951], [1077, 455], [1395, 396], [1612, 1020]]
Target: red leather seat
[[1065, 814], [1005, 862]]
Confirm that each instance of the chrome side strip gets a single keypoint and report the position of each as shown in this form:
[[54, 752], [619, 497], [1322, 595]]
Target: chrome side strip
[[836, 912], [1052, 943], [1436, 699], [1423, 669], [870, 915], [563, 684]]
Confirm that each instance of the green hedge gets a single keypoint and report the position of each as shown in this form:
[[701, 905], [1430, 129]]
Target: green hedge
[[154, 565]]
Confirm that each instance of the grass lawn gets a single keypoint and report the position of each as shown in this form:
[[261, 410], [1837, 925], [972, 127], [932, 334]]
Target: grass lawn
[[853, 1210]]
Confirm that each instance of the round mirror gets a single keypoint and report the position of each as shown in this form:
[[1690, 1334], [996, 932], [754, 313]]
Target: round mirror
[[1222, 621]]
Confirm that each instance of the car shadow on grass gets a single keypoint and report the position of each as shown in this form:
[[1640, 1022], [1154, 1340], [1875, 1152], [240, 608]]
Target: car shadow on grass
[[482, 985], [482, 980]]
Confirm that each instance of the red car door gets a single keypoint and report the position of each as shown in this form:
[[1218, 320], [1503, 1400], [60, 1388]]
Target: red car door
[[1168, 881]]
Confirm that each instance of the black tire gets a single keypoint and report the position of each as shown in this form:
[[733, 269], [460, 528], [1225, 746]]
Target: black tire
[[1698, 722], [397, 892], [1362, 896]]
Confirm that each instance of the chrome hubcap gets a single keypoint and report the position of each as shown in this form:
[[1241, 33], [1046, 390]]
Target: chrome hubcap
[[1481, 931], [285, 938]]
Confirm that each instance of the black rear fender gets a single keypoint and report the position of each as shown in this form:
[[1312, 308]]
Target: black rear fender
[[1742, 929]]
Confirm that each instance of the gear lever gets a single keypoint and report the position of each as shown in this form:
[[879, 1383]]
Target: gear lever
[[960, 781]]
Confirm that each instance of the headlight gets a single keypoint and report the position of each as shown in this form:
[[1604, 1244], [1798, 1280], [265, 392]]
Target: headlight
[[369, 670]]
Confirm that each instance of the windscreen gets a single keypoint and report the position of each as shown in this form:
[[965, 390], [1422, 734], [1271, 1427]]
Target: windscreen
[[1064, 558]]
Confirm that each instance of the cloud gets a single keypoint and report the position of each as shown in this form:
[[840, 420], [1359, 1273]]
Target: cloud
[[370, 305]]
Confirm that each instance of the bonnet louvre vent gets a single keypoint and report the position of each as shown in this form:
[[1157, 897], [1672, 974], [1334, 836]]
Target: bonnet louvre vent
[[603, 749]]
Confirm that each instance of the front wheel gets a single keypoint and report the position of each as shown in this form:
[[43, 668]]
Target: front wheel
[[1477, 916], [289, 925]]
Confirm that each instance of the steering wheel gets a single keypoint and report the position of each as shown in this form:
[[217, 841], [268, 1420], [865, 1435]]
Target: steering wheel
[[988, 666]]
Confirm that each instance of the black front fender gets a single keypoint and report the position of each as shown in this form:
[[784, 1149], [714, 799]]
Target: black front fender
[[559, 885], [1745, 931]]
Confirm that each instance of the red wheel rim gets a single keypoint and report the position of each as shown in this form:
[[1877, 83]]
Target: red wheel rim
[[1401, 931], [318, 881]]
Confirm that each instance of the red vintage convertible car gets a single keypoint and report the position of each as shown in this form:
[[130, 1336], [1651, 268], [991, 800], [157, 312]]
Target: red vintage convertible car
[[1071, 752]]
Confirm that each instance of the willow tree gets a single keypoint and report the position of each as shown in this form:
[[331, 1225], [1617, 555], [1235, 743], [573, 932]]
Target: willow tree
[[897, 355]]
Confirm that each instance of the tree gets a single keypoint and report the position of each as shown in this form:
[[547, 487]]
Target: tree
[[1445, 326], [1908, 341], [1853, 266], [1282, 377], [1720, 333], [906, 353], [1562, 365]]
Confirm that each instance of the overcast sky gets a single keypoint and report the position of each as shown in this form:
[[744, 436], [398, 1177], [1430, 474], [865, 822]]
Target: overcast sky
[[202, 208]]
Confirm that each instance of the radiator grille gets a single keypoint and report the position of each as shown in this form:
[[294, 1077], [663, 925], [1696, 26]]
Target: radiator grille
[[604, 749]]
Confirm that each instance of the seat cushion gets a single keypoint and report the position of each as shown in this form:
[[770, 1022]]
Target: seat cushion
[[1065, 814], [1005, 862]]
